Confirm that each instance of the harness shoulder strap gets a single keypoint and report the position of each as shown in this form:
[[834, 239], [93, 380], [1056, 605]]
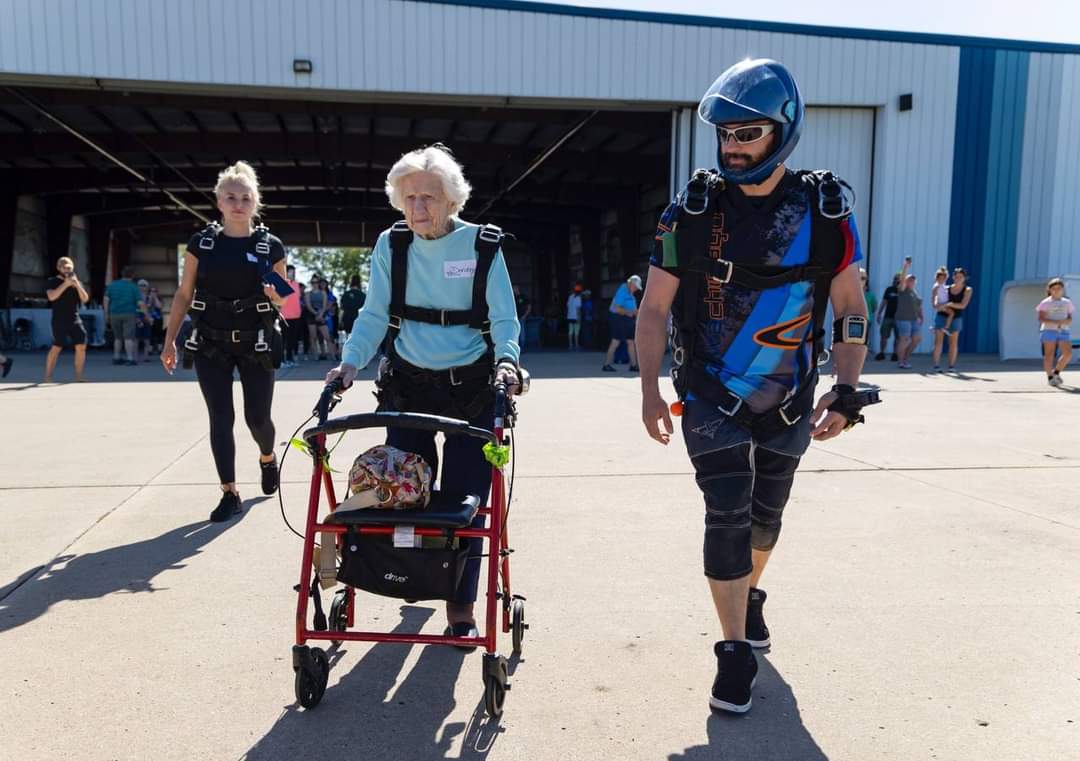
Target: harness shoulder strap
[[488, 240], [831, 243], [401, 238], [208, 236], [261, 235]]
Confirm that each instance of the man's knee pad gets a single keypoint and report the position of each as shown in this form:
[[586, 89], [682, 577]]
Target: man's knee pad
[[774, 476], [725, 481]]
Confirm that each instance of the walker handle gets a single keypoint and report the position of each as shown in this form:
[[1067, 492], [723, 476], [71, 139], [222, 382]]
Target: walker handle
[[330, 398]]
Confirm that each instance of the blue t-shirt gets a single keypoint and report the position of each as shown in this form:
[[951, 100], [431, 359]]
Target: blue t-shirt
[[623, 298], [124, 297], [757, 343]]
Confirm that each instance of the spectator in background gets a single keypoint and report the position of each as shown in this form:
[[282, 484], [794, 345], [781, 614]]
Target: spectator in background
[[573, 317], [909, 318], [290, 312], [331, 319], [939, 298], [959, 295], [352, 301], [587, 318], [871, 300], [305, 321], [123, 301], [315, 304], [1055, 322], [5, 365], [144, 324], [524, 309], [65, 294], [886, 318], [157, 316], [622, 316]]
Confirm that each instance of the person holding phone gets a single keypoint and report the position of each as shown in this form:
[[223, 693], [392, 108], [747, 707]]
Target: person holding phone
[[234, 280], [66, 294]]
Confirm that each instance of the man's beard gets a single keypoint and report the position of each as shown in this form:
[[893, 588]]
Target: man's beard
[[747, 161]]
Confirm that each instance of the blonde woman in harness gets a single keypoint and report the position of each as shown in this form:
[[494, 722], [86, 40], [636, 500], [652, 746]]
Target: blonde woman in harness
[[228, 271], [440, 295]]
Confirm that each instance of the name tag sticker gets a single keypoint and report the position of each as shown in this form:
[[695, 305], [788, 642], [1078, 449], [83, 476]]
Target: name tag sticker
[[464, 268], [252, 258]]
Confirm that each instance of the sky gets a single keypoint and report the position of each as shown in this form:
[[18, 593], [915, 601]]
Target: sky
[[1033, 20]]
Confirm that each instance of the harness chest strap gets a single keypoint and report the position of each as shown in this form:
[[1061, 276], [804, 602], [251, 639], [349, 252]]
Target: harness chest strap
[[692, 229], [488, 240]]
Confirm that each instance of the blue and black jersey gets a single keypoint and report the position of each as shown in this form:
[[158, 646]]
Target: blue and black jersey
[[756, 343]]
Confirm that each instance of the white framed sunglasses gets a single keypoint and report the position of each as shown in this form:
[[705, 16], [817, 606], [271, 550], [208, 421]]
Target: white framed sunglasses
[[743, 135]]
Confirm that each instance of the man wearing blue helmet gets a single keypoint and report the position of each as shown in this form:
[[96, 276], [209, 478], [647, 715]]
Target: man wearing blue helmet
[[746, 259]]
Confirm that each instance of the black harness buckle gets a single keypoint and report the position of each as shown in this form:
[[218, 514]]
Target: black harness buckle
[[395, 321], [490, 234], [198, 306], [235, 337], [784, 416], [734, 409], [453, 378], [206, 243], [264, 306], [727, 275]]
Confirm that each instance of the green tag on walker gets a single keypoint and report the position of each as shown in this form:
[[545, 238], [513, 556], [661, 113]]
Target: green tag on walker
[[497, 455], [304, 447]]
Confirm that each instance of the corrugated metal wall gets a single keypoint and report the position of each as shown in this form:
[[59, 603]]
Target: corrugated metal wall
[[1064, 244], [1040, 165]]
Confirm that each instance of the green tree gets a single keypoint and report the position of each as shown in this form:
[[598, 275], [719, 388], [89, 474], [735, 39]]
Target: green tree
[[337, 265]]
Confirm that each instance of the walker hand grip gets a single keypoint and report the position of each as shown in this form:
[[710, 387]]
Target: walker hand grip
[[328, 400]]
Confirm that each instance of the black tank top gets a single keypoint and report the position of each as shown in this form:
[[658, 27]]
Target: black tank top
[[956, 298]]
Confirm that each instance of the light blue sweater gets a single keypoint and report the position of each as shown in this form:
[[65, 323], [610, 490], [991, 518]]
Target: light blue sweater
[[440, 277]]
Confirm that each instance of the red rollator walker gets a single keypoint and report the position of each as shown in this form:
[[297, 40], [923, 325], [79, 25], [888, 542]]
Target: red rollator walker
[[410, 554]]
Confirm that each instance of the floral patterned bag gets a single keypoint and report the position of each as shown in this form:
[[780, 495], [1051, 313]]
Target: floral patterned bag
[[387, 477]]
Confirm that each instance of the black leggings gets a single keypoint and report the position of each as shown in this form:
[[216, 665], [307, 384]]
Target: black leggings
[[215, 381]]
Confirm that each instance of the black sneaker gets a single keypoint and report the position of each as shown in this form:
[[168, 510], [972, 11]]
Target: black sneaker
[[608, 369], [633, 369], [117, 361], [879, 356], [895, 357], [736, 672], [269, 475], [757, 633], [7, 367], [228, 507]]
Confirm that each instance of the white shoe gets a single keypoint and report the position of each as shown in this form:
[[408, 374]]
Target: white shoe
[[1054, 380]]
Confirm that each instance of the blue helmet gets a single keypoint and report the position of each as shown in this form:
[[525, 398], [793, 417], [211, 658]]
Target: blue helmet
[[752, 90]]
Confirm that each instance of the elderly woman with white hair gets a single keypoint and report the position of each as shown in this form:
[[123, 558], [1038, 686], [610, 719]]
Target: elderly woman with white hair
[[440, 295]]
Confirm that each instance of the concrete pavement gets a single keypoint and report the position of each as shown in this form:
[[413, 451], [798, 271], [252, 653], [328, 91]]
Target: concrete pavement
[[924, 599]]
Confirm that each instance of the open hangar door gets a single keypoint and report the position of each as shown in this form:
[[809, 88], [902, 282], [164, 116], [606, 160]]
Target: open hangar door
[[132, 172]]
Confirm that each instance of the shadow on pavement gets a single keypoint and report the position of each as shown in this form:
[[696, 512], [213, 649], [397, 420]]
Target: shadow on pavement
[[127, 568], [771, 731], [363, 715]]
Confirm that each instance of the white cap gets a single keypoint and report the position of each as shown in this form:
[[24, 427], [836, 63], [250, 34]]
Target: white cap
[[635, 279]]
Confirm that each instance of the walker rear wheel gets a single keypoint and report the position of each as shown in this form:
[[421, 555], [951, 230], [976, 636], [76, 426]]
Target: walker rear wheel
[[339, 613], [517, 623]]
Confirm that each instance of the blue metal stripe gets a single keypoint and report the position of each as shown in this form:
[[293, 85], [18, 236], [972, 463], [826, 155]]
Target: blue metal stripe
[[987, 159], [973, 112], [1005, 157], [841, 32]]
